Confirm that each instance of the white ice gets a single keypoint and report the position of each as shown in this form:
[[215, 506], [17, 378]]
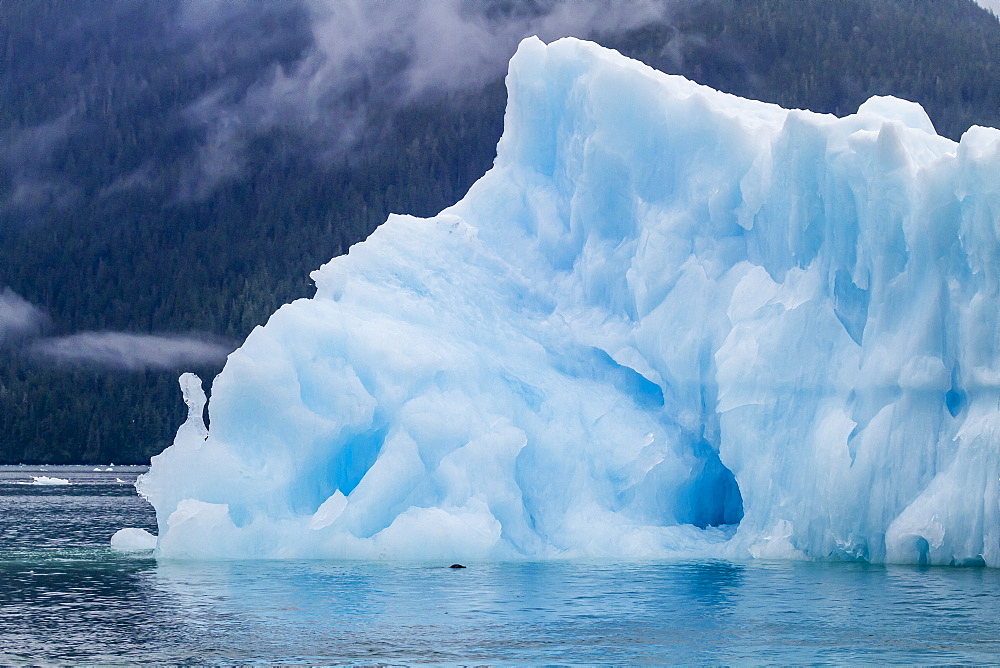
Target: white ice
[[133, 540], [668, 323], [46, 480]]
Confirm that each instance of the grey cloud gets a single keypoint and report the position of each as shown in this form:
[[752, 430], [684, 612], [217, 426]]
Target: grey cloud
[[28, 145], [331, 71], [18, 318], [130, 351], [195, 15], [367, 55], [992, 5], [33, 193], [139, 178], [454, 49], [23, 152], [218, 157], [445, 45]]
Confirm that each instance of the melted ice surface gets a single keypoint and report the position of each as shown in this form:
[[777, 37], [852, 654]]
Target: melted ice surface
[[669, 322]]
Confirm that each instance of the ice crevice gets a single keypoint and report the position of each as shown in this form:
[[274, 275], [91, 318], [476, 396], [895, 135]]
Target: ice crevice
[[668, 323]]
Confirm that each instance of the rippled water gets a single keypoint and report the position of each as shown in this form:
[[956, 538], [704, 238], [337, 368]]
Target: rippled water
[[66, 597]]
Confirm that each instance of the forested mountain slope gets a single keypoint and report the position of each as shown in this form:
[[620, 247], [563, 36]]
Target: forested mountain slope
[[170, 172]]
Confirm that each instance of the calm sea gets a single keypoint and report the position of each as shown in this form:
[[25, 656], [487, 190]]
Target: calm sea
[[66, 597]]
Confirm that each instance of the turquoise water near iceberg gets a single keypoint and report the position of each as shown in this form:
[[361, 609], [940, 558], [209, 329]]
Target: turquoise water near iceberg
[[66, 597]]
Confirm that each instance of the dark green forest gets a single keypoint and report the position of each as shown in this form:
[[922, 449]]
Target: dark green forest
[[148, 185]]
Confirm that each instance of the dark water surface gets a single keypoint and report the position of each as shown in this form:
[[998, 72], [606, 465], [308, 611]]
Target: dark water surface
[[66, 597]]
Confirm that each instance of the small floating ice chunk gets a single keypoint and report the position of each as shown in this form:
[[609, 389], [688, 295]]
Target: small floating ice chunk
[[133, 540], [46, 480]]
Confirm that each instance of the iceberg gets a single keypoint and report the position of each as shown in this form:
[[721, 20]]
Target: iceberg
[[668, 323]]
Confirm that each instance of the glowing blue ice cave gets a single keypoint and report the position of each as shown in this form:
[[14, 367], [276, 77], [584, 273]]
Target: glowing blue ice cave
[[668, 323]]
